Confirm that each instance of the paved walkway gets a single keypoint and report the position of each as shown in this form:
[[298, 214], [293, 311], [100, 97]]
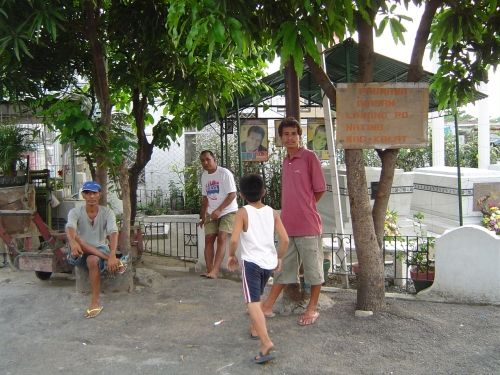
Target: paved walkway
[[167, 326]]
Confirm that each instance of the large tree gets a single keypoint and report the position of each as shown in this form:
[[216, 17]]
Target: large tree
[[125, 53], [464, 33], [36, 26], [149, 72]]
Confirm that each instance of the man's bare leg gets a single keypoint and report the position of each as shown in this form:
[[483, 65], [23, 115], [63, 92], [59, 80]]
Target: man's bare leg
[[311, 313], [219, 255], [95, 280], [267, 306], [91, 250], [209, 252]]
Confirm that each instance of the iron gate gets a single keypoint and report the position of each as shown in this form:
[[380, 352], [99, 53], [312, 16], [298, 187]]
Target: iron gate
[[171, 236]]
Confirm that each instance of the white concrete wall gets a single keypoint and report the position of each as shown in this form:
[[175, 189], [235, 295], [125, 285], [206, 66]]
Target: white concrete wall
[[467, 266]]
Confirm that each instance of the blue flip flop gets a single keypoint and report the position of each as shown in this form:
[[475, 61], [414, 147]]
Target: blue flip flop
[[263, 358]]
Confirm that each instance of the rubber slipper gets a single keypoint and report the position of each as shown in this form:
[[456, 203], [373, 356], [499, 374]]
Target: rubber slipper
[[92, 313], [256, 337], [306, 320], [271, 315], [122, 267], [263, 358]]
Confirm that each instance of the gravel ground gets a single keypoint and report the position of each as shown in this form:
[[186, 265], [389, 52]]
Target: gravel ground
[[166, 326]]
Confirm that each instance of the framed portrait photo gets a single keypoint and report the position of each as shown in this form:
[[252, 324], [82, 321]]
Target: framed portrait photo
[[254, 141], [316, 138]]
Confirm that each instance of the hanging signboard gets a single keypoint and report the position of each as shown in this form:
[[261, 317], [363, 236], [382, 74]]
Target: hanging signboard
[[254, 141], [382, 115]]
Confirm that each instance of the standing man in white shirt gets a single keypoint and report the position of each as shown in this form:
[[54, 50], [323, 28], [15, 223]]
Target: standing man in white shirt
[[218, 209]]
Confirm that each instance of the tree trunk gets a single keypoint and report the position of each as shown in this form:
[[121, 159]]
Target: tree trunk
[[388, 158], [371, 289], [101, 173], [292, 91], [100, 83], [322, 79], [125, 225], [144, 149]]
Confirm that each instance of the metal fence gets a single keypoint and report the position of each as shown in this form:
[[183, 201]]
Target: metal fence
[[171, 235], [408, 260], [177, 236]]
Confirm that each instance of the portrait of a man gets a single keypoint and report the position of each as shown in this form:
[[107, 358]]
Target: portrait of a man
[[316, 139], [254, 139], [254, 142]]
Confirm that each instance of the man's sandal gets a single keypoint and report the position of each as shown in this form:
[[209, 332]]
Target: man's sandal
[[122, 267], [92, 313]]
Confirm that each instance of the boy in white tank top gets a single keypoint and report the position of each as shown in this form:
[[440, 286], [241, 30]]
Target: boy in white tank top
[[253, 233]]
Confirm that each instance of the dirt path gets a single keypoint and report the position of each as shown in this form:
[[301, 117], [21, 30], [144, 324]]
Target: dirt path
[[167, 327]]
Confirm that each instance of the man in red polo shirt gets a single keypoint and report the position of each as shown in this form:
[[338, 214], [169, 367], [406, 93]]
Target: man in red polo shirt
[[302, 186]]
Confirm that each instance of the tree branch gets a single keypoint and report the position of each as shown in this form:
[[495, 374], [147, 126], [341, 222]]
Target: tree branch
[[322, 79]]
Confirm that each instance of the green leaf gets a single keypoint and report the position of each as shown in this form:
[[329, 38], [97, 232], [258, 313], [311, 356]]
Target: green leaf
[[381, 27], [309, 42], [24, 48], [298, 61], [219, 31]]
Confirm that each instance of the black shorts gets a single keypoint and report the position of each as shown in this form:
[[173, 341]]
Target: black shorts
[[254, 281]]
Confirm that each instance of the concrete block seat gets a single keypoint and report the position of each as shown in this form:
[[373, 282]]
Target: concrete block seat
[[109, 283]]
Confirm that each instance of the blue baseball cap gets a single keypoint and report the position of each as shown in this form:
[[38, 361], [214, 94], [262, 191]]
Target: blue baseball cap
[[91, 186]]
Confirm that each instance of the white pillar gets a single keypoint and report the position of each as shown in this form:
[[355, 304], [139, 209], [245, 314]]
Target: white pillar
[[337, 207], [330, 137], [483, 131], [437, 126]]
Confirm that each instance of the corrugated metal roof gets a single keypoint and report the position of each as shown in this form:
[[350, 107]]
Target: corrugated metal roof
[[339, 59]]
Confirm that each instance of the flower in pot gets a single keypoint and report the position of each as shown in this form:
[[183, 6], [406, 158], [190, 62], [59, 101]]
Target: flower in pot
[[491, 219], [491, 213]]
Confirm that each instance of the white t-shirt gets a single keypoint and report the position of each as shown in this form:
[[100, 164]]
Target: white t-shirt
[[257, 243], [216, 186]]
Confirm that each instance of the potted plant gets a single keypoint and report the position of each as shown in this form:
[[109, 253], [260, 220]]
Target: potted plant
[[16, 142], [422, 268], [491, 219], [421, 261], [490, 208]]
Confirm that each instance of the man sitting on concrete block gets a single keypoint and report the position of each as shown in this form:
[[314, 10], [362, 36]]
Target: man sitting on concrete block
[[93, 238]]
